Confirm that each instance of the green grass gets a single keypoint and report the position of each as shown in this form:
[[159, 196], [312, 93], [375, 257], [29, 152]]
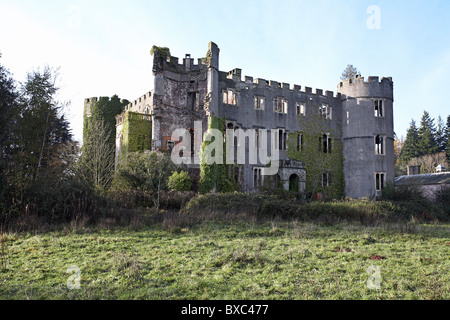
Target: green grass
[[272, 260]]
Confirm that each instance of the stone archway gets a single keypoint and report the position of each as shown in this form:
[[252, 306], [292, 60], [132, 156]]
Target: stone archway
[[294, 180]]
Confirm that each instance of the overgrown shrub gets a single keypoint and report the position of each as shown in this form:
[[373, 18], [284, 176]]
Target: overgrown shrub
[[179, 181], [403, 193], [262, 206]]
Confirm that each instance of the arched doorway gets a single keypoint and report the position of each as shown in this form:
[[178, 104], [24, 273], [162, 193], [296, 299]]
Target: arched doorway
[[293, 182]]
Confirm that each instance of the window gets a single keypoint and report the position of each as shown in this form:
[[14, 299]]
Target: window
[[326, 180], [257, 139], [282, 139], [259, 102], [325, 143], [379, 145], [301, 109], [229, 97], [325, 111], [258, 179], [192, 101], [170, 145], [280, 105], [378, 105], [380, 181], [300, 142], [348, 117]]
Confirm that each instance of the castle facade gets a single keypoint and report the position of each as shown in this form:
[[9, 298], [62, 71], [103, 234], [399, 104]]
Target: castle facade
[[358, 119]]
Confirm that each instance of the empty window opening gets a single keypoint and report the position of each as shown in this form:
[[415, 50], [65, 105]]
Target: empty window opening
[[280, 105], [379, 144], [259, 103], [299, 142], [380, 181], [258, 179], [378, 104], [170, 145], [257, 139], [229, 97], [325, 144], [192, 101], [280, 139], [191, 132], [325, 111], [301, 109]]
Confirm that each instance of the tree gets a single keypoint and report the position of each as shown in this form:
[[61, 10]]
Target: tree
[[98, 157], [410, 146], [180, 181], [440, 135], [39, 132], [145, 171], [427, 130], [349, 72], [447, 138], [429, 162], [9, 113]]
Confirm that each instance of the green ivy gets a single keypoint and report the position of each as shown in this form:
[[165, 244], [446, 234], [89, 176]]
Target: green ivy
[[105, 109], [215, 176], [163, 52], [316, 161], [137, 133]]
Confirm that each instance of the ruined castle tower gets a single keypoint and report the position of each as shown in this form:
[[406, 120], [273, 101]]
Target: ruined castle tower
[[367, 134]]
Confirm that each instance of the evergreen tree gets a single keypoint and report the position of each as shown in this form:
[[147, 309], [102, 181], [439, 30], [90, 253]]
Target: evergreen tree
[[440, 134], [9, 113], [410, 146], [447, 138], [349, 73], [427, 130], [39, 134]]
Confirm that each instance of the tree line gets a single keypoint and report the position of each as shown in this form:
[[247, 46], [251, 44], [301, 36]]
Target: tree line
[[44, 172], [426, 145]]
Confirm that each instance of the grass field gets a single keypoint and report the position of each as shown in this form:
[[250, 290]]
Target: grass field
[[271, 260]]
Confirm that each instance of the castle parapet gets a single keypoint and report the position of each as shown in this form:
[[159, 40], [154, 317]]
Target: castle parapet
[[140, 104], [373, 87]]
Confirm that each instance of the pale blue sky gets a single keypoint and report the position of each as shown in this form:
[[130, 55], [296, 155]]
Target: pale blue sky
[[102, 47]]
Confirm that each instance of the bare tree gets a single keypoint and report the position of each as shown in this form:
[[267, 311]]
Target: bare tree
[[429, 162], [98, 155]]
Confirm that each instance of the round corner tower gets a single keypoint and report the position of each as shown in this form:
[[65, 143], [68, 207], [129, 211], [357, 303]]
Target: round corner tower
[[368, 135]]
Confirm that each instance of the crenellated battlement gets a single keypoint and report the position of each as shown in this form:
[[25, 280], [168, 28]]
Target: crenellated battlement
[[172, 63], [373, 86], [236, 76], [359, 80], [140, 104]]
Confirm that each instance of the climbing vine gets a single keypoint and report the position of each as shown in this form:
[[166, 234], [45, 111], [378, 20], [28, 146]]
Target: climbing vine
[[310, 149], [136, 133], [216, 176], [105, 109]]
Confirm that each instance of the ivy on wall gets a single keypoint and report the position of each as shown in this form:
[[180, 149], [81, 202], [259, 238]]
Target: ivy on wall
[[216, 176], [105, 109], [318, 162], [136, 133]]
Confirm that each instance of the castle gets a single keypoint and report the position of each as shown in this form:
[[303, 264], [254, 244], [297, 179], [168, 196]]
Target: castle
[[360, 115]]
